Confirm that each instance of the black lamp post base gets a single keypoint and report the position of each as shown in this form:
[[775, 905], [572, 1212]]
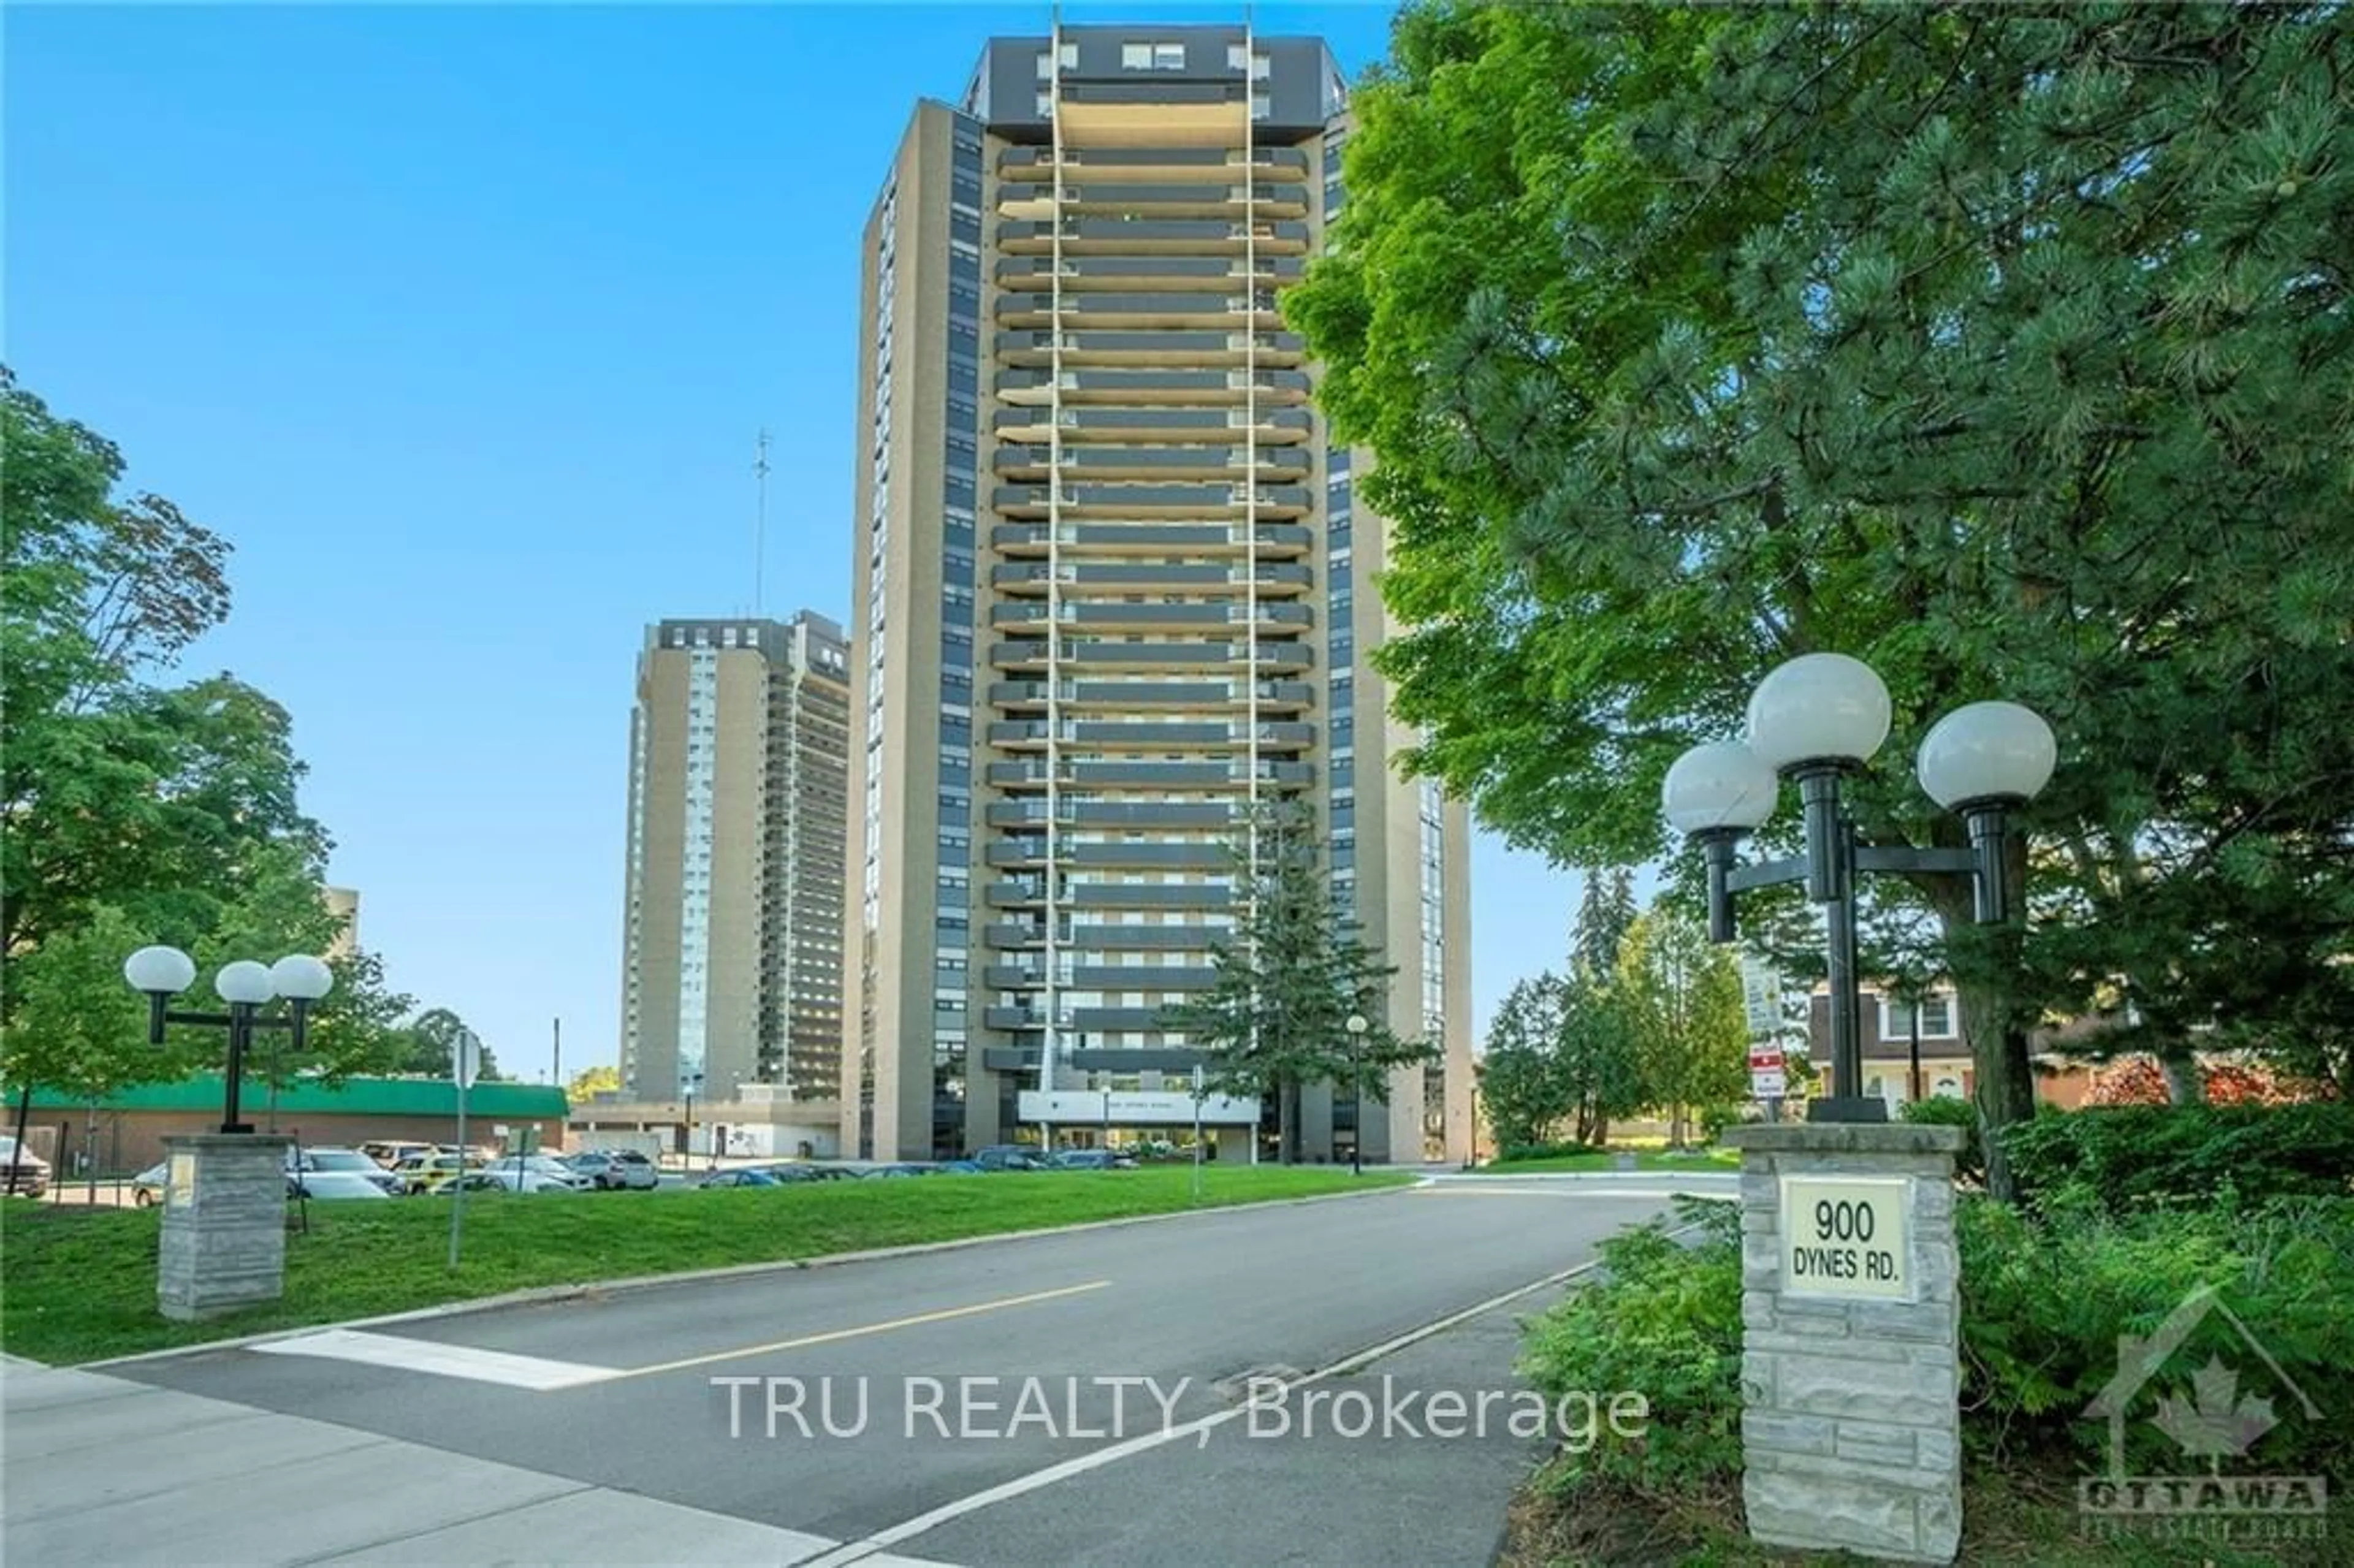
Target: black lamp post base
[[238, 1127], [1848, 1108]]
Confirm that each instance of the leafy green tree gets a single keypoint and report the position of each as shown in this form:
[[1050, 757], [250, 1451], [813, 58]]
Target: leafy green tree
[[429, 1046], [134, 813], [1525, 1083], [2004, 348], [1275, 1018], [1679, 999], [589, 1082]]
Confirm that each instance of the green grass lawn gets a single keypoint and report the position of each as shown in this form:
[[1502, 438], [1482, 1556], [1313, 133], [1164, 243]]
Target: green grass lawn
[[79, 1284], [1607, 1160]]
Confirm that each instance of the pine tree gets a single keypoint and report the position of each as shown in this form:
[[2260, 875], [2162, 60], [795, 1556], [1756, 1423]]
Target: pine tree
[[1295, 968]]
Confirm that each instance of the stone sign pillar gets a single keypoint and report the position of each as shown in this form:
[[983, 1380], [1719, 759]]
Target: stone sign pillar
[[224, 1243], [1850, 1367]]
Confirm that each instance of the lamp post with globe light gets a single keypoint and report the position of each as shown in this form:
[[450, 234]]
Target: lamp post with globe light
[[1357, 1027], [161, 973], [1816, 721]]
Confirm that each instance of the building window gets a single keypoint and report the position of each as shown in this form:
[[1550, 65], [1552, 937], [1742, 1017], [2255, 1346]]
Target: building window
[[1152, 56], [1936, 1019]]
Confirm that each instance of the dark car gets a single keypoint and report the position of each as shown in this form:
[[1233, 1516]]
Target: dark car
[[1093, 1160], [739, 1179], [887, 1173], [1009, 1157]]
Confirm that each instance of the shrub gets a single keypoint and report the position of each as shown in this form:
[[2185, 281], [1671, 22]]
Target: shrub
[[1664, 1322], [1946, 1110], [2046, 1296], [1714, 1120], [2131, 1155], [1541, 1151]]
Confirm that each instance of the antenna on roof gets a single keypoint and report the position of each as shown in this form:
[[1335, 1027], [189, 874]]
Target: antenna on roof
[[760, 516]]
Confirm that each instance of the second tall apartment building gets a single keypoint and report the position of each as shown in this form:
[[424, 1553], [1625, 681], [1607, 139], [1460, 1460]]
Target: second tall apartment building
[[1114, 588]]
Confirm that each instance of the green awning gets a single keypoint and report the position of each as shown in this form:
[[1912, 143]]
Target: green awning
[[353, 1097]]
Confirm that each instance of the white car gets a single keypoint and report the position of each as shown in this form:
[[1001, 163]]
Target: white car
[[334, 1185], [26, 1173], [542, 1165]]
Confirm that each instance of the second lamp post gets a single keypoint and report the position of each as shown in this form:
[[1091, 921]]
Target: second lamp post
[[1817, 720]]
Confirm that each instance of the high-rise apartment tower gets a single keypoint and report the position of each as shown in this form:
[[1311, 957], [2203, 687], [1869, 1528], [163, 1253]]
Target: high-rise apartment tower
[[731, 941], [1113, 588]]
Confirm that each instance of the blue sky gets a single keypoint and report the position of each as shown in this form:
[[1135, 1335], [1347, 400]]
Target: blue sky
[[459, 322]]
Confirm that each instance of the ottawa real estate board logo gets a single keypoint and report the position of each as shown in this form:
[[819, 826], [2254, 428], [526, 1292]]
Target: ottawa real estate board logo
[[2214, 1410]]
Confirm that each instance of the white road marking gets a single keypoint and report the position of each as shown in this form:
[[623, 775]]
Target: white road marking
[[864, 1554], [445, 1360]]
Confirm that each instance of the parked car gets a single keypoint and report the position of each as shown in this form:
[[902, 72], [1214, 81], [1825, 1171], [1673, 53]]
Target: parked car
[[420, 1172], [29, 1171], [542, 1165], [802, 1171], [348, 1161], [612, 1169], [885, 1172], [499, 1178], [147, 1187], [959, 1168], [739, 1179], [335, 1185], [389, 1152], [1009, 1157], [1093, 1160], [790, 1175]]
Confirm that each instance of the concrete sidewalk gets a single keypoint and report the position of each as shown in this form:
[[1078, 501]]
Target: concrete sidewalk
[[99, 1469]]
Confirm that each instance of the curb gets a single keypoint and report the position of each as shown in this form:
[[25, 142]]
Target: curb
[[542, 1294]]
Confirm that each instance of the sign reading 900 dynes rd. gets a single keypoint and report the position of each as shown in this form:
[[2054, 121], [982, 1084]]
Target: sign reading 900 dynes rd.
[[1844, 1236]]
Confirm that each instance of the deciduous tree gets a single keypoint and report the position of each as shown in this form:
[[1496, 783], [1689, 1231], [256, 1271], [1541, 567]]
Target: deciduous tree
[[2006, 348], [1679, 999]]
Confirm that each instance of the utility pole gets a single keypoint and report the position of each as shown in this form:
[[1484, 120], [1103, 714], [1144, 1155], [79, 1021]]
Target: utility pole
[[557, 1070]]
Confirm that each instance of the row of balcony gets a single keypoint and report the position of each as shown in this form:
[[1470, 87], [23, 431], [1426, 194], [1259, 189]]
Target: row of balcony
[[1071, 812], [1028, 460], [1104, 977], [1220, 539], [1119, 613], [1153, 312], [1272, 160], [1032, 579], [1218, 346], [1148, 693], [1150, 236], [1032, 771], [1209, 196], [1206, 855], [1146, 501], [1014, 934], [1084, 1020], [1210, 427], [1015, 891], [1029, 653], [1282, 734], [1154, 384], [1085, 274]]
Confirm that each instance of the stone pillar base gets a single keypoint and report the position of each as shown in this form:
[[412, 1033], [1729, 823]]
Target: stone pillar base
[[223, 1240], [1850, 1365]]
